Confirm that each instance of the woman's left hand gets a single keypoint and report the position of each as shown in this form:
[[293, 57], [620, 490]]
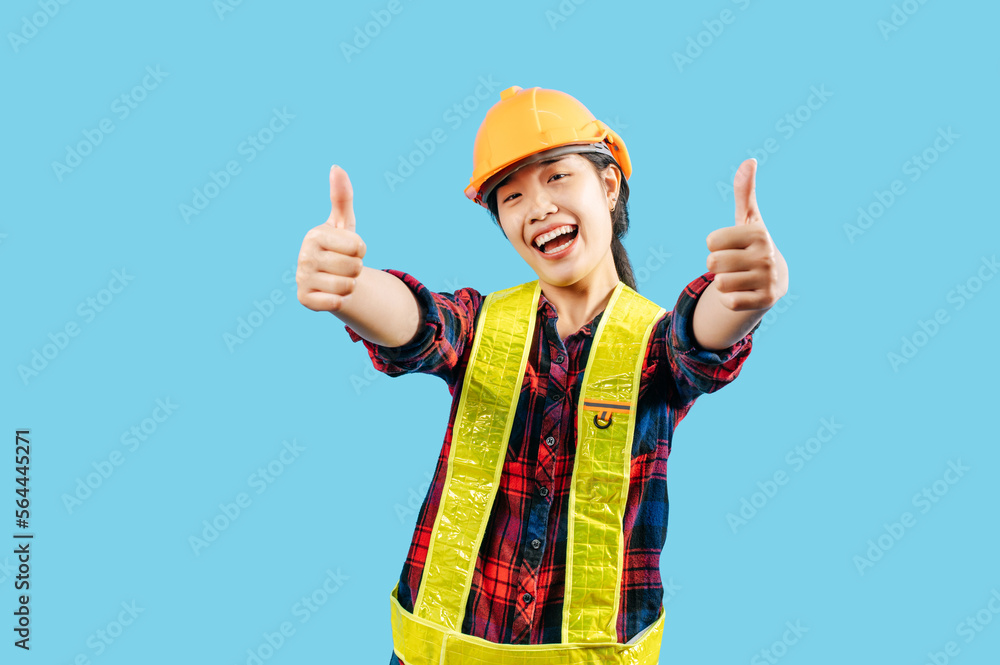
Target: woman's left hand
[[750, 272]]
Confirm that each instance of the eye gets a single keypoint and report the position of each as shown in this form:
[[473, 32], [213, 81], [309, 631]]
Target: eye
[[550, 180]]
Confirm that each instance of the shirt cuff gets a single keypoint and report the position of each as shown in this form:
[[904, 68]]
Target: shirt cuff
[[682, 327], [429, 328]]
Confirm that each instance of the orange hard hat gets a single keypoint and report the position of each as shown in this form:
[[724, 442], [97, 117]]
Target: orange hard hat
[[527, 125]]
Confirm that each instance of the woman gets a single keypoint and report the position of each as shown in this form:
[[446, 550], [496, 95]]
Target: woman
[[540, 536]]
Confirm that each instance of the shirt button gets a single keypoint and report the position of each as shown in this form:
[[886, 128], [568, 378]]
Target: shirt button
[[536, 543], [527, 597], [559, 359], [550, 441], [544, 491]]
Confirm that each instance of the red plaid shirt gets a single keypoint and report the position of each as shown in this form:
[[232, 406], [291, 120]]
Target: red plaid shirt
[[516, 595]]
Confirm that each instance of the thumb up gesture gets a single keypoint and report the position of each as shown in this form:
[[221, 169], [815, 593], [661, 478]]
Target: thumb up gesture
[[330, 258], [750, 272]]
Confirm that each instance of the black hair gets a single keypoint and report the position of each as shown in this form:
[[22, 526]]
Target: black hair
[[619, 216]]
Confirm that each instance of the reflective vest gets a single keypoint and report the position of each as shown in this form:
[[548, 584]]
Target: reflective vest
[[606, 412]]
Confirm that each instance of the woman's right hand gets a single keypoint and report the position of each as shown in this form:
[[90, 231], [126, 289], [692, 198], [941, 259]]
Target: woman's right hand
[[330, 258]]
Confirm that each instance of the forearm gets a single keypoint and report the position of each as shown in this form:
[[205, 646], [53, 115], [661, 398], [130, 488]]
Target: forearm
[[382, 309], [717, 327]]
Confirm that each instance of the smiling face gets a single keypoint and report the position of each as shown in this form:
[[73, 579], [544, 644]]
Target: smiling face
[[562, 194]]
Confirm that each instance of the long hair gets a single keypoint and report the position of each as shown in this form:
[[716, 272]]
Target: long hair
[[619, 217]]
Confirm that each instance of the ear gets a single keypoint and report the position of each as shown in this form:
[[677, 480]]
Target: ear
[[612, 181]]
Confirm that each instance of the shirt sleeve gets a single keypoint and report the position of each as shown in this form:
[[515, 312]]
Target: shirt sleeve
[[697, 370], [445, 331]]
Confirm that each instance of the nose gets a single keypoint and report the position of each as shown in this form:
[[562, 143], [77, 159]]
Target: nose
[[541, 204]]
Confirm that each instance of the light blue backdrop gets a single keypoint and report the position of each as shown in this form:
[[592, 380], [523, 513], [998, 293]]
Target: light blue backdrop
[[117, 114]]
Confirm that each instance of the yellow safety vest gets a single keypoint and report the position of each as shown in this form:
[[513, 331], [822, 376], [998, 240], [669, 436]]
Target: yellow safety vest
[[431, 634]]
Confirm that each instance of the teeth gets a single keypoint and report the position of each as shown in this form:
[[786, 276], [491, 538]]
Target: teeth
[[545, 237], [560, 247]]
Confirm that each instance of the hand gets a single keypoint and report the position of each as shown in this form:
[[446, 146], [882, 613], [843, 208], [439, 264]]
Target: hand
[[330, 258], [750, 272]]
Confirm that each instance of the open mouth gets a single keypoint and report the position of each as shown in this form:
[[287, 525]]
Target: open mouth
[[558, 246]]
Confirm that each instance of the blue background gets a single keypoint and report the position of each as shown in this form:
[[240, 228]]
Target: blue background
[[341, 505]]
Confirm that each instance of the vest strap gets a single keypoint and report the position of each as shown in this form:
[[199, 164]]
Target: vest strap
[[421, 642], [602, 467], [482, 428]]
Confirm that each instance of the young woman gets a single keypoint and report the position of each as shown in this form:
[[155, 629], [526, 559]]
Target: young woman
[[540, 535]]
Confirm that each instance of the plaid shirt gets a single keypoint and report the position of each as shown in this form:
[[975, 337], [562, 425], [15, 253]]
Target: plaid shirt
[[516, 594]]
